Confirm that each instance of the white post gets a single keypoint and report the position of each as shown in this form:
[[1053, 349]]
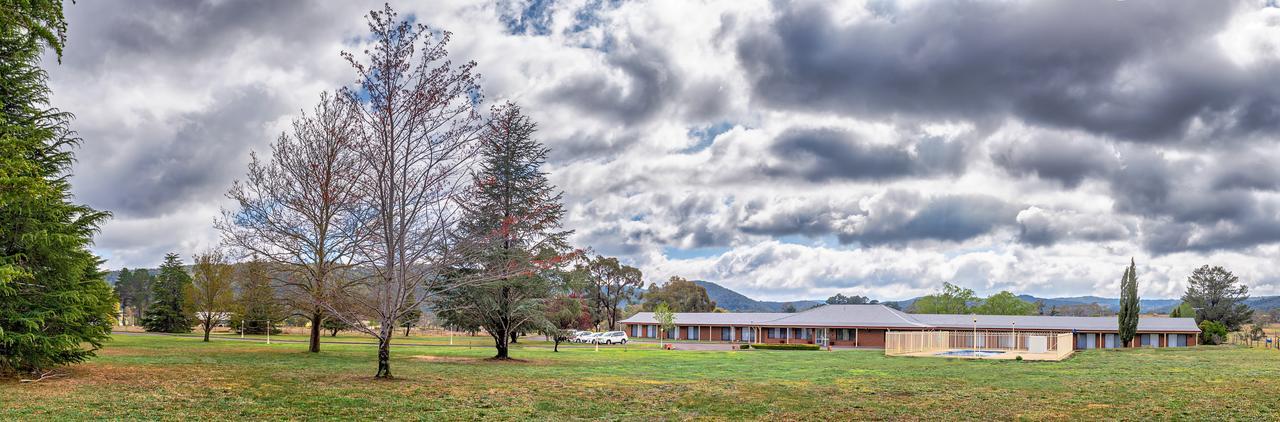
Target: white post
[[975, 331], [268, 332], [1015, 335]]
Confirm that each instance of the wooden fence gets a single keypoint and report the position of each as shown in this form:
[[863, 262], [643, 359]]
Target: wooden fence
[[909, 342]]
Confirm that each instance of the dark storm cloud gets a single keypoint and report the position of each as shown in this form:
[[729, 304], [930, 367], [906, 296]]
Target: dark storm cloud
[[1134, 70], [648, 86], [1044, 228], [1246, 171], [822, 155], [159, 169], [178, 33], [949, 218], [812, 220], [1065, 159]]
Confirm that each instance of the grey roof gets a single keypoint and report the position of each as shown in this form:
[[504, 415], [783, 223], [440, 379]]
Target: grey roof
[[1038, 322], [880, 316], [709, 318], [852, 315]]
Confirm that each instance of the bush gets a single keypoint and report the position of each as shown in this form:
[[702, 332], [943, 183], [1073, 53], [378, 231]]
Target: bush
[[1018, 358], [744, 346], [787, 347], [1212, 332]]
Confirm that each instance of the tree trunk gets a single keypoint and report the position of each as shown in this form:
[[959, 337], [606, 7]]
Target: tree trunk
[[502, 352], [315, 331], [557, 346], [333, 333], [384, 358], [406, 330], [500, 343], [514, 336], [208, 326]]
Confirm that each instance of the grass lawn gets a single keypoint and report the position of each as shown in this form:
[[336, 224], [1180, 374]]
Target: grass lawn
[[154, 377]]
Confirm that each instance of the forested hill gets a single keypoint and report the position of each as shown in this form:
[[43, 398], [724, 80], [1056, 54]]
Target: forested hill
[[736, 302]]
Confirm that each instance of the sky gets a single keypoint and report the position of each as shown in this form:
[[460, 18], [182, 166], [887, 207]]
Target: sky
[[786, 150]]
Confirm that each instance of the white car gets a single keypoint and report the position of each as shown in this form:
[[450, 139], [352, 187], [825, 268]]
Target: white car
[[576, 336], [612, 337], [586, 337]]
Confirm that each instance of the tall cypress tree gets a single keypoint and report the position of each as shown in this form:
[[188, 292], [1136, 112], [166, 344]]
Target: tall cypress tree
[[1129, 304], [168, 314], [55, 304], [518, 211]]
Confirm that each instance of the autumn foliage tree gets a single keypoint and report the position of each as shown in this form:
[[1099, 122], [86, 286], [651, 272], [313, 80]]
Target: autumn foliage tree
[[211, 294]]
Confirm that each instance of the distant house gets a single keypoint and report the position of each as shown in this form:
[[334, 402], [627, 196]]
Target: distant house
[[866, 325]]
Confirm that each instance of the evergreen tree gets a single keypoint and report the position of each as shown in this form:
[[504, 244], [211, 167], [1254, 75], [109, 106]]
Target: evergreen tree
[[517, 211], [1128, 315], [680, 295], [55, 304], [410, 319], [1183, 310], [1005, 303], [1219, 296], [952, 299], [169, 314], [257, 307]]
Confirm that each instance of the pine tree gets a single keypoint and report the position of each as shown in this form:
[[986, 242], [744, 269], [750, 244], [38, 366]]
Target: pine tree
[[517, 210], [257, 307], [55, 304], [1128, 315], [168, 313]]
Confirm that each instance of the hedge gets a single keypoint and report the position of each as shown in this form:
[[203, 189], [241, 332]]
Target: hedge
[[786, 347]]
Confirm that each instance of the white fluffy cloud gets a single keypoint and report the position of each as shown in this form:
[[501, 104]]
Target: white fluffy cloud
[[786, 150]]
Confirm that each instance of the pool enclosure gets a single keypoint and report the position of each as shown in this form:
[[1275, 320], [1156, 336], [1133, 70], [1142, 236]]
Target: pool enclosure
[[1030, 345]]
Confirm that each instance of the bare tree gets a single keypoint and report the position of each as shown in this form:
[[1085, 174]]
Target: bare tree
[[418, 125], [298, 209], [210, 294]]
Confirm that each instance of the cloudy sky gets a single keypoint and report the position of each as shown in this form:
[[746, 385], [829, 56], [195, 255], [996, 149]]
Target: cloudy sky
[[785, 150]]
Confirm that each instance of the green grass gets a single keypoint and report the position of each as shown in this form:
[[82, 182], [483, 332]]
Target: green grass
[[150, 377]]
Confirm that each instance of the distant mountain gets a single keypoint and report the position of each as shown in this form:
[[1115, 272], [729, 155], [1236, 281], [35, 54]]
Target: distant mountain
[[737, 302]]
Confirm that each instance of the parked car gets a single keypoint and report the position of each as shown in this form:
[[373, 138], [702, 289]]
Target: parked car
[[588, 337], [576, 336], [612, 337]]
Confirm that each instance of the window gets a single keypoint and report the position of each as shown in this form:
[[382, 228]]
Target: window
[[653, 329], [693, 333], [726, 333]]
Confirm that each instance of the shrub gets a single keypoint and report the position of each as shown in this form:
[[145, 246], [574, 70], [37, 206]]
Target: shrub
[[744, 346], [1212, 332], [787, 347], [1018, 358]]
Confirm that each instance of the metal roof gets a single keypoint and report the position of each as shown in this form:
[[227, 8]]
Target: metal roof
[[1039, 322], [709, 318], [880, 316]]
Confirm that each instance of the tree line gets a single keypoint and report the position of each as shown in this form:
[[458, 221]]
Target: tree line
[[1214, 297]]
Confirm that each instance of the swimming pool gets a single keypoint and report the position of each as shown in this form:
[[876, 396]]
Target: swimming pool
[[970, 353]]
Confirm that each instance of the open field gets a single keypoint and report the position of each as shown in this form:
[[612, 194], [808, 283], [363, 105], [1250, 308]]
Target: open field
[[181, 378]]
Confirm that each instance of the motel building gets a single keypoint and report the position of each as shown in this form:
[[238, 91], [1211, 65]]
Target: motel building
[[868, 326]]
